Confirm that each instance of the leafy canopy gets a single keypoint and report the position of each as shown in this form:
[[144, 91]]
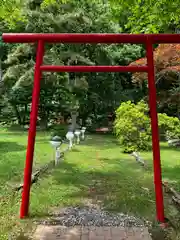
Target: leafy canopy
[[147, 16]]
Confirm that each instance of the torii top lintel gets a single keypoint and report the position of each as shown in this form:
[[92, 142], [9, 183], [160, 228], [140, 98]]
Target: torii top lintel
[[89, 38]]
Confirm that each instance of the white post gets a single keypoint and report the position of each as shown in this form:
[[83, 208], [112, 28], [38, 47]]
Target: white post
[[70, 143], [57, 155], [56, 143], [78, 139], [77, 133], [83, 132], [70, 137]]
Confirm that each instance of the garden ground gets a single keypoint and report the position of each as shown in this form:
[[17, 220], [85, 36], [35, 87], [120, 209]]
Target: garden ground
[[96, 170]]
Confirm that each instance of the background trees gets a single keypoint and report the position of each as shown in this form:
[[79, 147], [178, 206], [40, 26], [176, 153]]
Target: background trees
[[83, 94], [144, 16], [98, 93], [167, 67]]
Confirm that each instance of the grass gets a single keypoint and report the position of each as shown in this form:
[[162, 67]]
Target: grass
[[94, 170]]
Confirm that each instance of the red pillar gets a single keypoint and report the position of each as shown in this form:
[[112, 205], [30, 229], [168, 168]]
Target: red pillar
[[32, 131], [155, 134]]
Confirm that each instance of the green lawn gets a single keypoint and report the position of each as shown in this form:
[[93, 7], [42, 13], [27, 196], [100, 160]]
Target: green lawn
[[94, 170]]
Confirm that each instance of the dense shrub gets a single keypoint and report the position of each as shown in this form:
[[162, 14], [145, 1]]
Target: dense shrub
[[169, 126], [132, 126]]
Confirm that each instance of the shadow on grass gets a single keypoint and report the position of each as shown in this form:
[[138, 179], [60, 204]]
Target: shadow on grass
[[16, 133], [102, 142], [119, 189], [173, 175], [168, 148], [120, 185], [169, 171], [75, 150], [11, 147], [42, 141]]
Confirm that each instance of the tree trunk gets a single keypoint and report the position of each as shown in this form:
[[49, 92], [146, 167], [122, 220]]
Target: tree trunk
[[43, 123], [84, 118], [25, 114], [17, 114], [84, 121], [44, 116]]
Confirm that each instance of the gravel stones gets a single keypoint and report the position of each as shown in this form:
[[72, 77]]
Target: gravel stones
[[89, 216]]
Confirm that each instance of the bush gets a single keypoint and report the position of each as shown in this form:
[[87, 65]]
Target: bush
[[132, 126], [169, 126]]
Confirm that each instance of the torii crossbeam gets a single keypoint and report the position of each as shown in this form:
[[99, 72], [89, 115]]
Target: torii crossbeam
[[41, 39]]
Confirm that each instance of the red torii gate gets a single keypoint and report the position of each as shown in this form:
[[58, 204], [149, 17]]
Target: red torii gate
[[41, 39]]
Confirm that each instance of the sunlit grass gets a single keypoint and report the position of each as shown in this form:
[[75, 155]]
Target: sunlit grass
[[95, 169]]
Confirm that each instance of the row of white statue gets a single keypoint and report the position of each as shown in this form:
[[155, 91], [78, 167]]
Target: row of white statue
[[56, 141], [77, 133]]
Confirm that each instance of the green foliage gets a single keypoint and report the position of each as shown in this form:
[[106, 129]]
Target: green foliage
[[11, 13], [7, 113], [169, 126], [144, 16], [132, 126], [98, 93]]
